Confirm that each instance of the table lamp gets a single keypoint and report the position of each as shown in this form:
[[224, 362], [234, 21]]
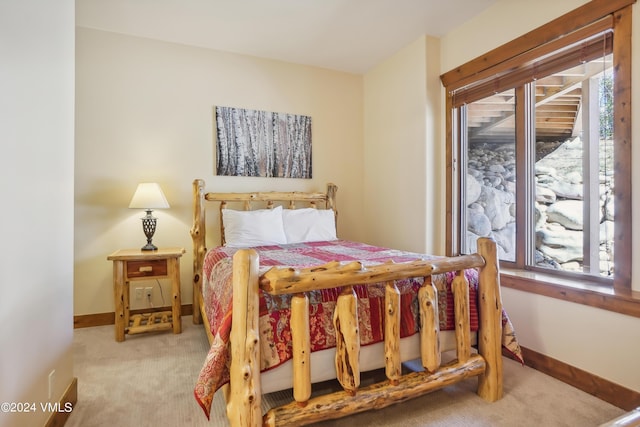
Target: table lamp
[[149, 196]]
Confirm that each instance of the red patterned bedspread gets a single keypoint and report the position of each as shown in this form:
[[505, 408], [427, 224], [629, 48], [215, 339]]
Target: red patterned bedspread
[[275, 343]]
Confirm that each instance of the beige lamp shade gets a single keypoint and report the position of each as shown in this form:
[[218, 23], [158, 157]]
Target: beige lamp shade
[[149, 195]]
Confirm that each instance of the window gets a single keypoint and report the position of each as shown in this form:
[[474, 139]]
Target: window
[[539, 148]]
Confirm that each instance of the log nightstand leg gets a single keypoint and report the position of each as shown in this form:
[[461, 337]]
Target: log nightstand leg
[[174, 272], [121, 303]]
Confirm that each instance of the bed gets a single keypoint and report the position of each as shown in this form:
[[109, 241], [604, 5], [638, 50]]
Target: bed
[[308, 307]]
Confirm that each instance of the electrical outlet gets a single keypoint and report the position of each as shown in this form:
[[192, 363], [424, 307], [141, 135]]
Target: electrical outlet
[[52, 378], [139, 293], [148, 293]]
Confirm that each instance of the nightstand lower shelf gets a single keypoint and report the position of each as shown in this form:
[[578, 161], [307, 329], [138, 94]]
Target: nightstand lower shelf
[[150, 322]]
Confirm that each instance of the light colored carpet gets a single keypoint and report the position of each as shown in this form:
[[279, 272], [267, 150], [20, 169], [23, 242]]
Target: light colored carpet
[[148, 381]]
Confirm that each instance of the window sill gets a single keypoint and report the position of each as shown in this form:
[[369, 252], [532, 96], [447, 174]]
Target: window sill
[[591, 294]]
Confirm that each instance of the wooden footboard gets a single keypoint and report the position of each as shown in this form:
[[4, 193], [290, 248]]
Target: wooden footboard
[[245, 395]]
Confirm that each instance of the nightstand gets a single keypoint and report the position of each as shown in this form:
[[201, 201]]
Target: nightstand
[[133, 264]]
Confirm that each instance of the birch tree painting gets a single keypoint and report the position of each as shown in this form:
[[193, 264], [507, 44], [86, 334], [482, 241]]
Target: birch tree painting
[[262, 143]]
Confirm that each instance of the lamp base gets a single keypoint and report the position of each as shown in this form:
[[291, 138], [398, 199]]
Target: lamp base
[[149, 228]]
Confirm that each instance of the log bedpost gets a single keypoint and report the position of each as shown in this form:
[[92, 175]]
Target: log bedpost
[[198, 233], [301, 344], [430, 330], [223, 206], [345, 320], [243, 406], [332, 189], [490, 327], [460, 288], [393, 363]]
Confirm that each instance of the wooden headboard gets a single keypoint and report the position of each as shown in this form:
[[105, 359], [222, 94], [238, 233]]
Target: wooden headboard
[[246, 201]]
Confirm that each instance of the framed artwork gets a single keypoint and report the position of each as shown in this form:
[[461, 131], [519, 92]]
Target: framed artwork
[[262, 143]]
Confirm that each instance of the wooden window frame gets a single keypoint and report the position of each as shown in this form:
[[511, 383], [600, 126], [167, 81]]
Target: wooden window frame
[[616, 14]]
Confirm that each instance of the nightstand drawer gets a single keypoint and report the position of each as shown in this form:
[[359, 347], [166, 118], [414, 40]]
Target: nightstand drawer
[[147, 268]]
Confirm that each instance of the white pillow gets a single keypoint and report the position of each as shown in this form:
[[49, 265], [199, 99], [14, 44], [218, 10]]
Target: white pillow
[[253, 228], [309, 225]]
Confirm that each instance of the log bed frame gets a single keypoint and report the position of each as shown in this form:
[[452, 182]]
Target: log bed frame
[[243, 394]]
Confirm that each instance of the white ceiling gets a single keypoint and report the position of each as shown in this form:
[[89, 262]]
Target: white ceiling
[[345, 35]]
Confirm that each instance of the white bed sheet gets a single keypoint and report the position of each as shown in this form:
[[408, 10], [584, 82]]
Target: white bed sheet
[[371, 357]]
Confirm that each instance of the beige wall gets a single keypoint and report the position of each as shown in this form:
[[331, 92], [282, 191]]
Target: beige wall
[[36, 112], [402, 153], [595, 340], [144, 112]]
